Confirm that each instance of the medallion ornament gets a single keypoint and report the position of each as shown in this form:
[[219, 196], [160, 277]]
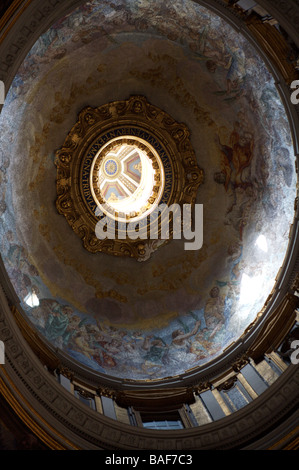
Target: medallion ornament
[[121, 161]]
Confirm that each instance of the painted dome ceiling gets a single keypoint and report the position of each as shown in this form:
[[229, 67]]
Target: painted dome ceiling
[[179, 309]]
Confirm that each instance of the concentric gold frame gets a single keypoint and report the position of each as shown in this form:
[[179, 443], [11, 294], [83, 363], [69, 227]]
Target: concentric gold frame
[[152, 155], [95, 128]]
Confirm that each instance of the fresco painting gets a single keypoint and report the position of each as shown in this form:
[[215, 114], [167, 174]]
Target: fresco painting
[[176, 313]]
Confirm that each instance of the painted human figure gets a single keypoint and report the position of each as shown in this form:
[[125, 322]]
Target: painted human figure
[[214, 309], [179, 338]]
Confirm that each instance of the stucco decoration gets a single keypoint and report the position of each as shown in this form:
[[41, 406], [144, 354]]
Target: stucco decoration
[[130, 162], [179, 309]]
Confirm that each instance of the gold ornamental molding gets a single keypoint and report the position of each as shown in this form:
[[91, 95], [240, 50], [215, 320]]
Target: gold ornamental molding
[[119, 162], [11, 16]]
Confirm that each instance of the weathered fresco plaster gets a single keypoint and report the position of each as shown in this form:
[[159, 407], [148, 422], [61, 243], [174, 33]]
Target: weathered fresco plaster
[[179, 309]]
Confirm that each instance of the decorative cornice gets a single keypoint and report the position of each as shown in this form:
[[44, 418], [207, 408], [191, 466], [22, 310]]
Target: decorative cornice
[[276, 328], [25, 412], [275, 46], [156, 399], [106, 392], [286, 12], [228, 384]]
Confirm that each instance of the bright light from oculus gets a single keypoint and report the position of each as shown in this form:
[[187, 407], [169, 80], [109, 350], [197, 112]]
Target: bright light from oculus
[[251, 289], [32, 300], [133, 194], [127, 181], [261, 242]]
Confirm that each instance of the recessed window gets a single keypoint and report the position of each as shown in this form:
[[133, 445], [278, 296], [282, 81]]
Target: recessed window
[[162, 421], [164, 425]]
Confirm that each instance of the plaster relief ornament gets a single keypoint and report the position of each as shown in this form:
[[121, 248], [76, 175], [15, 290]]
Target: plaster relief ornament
[[120, 164]]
